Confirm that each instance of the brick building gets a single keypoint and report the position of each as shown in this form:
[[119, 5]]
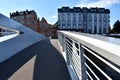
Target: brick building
[[54, 30], [27, 18], [44, 28], [30, 19]]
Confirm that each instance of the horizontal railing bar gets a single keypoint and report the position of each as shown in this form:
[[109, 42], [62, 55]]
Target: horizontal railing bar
[[72, 47], [106, 62], [73, 42], [74, 67], [69, 45], [97, 67], [69, 50], [89, 75], [74, 56], [76, 48], [99, 46], [75, 60], [92, 71]]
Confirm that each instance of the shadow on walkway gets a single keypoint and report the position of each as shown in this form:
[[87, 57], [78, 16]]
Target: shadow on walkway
[[49, 63]]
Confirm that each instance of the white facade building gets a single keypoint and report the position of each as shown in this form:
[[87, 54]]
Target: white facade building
[[93, 20]]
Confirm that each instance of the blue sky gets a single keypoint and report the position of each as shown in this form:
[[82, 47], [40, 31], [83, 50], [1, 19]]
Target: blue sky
[[48, 8]]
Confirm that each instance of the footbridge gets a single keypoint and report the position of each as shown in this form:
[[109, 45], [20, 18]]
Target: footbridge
[[28, 55]]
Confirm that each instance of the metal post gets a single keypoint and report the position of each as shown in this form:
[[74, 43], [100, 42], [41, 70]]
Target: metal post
[[83, 67]]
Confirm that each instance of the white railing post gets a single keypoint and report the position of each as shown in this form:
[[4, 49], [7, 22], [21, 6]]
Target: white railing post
[[67, 54], [83, 61], [62, 41]]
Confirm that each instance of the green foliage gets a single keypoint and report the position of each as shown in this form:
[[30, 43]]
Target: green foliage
[[112, 31], [116, 27]]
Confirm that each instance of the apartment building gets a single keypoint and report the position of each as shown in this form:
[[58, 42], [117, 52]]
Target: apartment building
[[88, 20]]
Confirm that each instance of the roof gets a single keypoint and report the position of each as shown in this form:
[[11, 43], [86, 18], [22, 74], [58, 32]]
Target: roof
[[22, 13], [84, 9]]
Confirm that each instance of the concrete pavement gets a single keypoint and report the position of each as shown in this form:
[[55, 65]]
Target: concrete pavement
[[40, 61]]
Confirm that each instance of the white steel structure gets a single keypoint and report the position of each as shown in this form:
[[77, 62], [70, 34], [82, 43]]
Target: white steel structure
[[93, 20], [92, 57]]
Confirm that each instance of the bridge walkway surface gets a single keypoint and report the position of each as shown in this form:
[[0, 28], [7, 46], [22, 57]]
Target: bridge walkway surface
[[40, 61]]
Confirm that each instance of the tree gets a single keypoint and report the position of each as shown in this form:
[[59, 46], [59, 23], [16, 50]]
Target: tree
[[116, 27]]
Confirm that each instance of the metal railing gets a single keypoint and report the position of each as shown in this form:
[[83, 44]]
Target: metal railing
[[91, 58]]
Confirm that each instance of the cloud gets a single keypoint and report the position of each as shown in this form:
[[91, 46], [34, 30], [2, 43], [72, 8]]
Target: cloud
[[54, 17], [97, 3]]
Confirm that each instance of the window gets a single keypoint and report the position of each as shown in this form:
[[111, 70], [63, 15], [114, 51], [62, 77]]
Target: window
[[68, 18], [68, 14], [104, 18], [74, 15], [90, 24], [68, 24], [63, 9], [100, 18], [79, 15], [74, 24], [91, 10], [104, 30], [63, 14], [67, 9], [79, 24], [89, 15], [95, 20], [58, 15], [63, 21], [99, 10], [95, 10], [43, 26], [102, 10], [74, 18], [104, 15], [104, 23], [95, 16]]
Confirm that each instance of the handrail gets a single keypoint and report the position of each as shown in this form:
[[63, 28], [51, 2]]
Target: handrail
[[91, 56], [112, 51]]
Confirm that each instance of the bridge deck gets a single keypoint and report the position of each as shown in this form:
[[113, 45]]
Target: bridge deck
[[55, 43], [41, 61]]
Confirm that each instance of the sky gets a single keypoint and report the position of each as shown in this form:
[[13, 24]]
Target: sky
[[48, 8]]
